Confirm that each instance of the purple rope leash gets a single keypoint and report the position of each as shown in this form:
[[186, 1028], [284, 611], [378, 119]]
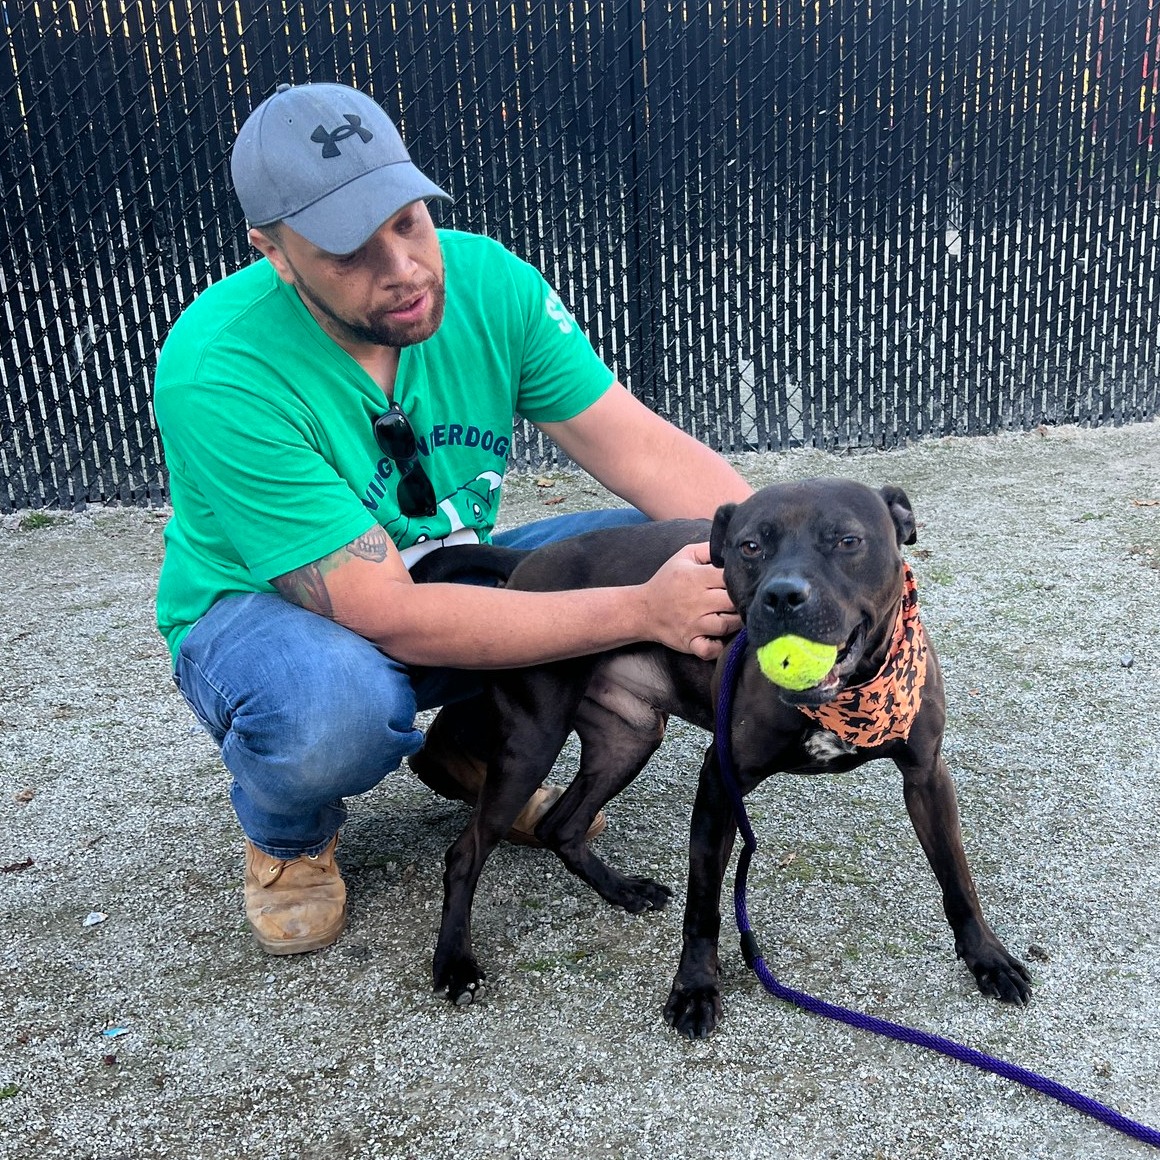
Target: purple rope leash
[[753, 958]]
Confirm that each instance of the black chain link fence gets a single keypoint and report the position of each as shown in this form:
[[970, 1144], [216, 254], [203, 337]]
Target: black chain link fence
[[792, 222]]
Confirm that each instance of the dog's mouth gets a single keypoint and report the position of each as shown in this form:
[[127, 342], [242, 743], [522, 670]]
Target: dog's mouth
[[835, 680]]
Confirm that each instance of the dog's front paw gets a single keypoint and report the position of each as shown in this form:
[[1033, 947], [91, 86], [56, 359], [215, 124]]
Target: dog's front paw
[[640, 894], [998, 973], [693, 1012], [1005, 978], [459, 980]]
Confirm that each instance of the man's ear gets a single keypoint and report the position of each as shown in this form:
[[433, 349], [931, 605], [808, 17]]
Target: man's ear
[[717, 535], [267, 245], [905, 525]]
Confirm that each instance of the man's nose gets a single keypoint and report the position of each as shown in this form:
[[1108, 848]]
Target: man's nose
[[390, 256]]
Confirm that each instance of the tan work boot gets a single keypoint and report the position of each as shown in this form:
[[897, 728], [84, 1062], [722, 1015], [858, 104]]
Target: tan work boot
[[294, 905], [446, 767]]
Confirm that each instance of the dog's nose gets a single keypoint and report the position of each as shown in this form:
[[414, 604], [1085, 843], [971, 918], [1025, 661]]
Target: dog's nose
[[785, 593]]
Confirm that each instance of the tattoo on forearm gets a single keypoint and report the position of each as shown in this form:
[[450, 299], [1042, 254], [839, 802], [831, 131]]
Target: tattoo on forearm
[[306, 586]]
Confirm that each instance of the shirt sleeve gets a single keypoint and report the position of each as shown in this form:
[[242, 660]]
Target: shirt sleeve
[[561, 373], [258, 471]]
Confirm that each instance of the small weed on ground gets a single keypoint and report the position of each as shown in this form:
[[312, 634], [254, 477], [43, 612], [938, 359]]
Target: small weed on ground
[[37, 520]]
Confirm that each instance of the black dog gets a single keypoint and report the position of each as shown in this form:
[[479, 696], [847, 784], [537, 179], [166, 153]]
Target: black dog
[[817, 559]]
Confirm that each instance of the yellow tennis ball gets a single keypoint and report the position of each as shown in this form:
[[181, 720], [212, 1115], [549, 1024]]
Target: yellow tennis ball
[[796, 663]]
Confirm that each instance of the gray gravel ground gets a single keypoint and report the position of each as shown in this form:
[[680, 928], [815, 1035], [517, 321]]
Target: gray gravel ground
[[1037, 567]]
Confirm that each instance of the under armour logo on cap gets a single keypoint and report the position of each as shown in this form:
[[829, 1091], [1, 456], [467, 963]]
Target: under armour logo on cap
[[329, 141]]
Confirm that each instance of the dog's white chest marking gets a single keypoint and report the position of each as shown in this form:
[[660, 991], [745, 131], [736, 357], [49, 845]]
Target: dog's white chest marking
[[822, 745]]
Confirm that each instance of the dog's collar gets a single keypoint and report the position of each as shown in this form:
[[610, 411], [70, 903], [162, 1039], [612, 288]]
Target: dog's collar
[[883, 708]]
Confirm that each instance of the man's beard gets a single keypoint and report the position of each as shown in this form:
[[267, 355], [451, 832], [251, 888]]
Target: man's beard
[[379, 332]]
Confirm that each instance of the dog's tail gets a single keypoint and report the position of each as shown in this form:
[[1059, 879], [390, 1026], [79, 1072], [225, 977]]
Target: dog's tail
[[483, 564]]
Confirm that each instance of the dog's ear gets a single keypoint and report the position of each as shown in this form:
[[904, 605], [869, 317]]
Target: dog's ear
[[717, 535], [901, 513]]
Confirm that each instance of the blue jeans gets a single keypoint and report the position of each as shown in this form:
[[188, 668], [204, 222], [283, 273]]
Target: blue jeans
[[307, 712]]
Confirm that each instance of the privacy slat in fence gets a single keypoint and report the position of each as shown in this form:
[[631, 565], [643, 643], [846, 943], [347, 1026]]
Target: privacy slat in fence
[[782, 222]]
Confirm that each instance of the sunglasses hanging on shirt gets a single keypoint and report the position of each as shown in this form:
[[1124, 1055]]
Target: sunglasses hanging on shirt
[[396, 439]]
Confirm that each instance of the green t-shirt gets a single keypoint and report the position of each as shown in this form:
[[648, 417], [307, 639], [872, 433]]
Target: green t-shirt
[[267, 423]]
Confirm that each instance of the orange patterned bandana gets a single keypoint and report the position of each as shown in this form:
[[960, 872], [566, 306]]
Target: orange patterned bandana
[[884, 707]]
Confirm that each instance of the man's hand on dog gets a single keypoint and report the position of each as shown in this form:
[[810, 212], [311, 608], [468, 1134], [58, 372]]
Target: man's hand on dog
[[691, 610]]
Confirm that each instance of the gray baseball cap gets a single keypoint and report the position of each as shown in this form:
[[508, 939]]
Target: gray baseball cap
[[327, 161]]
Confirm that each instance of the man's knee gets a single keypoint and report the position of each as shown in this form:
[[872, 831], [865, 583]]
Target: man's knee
[[553, 528], [298, 704], [323, 742]]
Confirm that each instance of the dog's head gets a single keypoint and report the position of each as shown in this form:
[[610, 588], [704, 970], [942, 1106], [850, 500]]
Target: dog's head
[[818, 559]]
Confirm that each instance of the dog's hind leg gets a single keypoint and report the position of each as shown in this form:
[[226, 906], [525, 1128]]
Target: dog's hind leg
[[613, 751], [455, 969], [535, 718]]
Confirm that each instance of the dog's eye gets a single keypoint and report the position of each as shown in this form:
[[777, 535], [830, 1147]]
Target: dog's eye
[[849, 543], [749, 548]]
